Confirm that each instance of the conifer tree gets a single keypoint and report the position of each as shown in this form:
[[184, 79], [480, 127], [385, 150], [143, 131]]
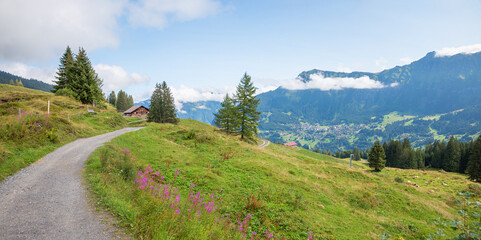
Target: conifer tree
[[11, 82], [247, 107], [156, 101], [79, 76], [64, 74], [162, 107], [474, 164], [131, 101], [452, 156], [112, 99], [357, 154], [227, 116], [20, 84], [122, 102], [377, 157], [168, 105]]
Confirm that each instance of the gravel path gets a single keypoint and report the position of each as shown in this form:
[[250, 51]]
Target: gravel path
[[47, 200], [264, 143]]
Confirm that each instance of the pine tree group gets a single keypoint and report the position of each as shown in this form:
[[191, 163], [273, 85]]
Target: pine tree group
[[16, 83], [239, 114], [122, 101], [162, 106], [77, 74], [377, 157]]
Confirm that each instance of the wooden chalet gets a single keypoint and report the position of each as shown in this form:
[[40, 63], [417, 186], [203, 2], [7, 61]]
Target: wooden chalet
[[137, 111]]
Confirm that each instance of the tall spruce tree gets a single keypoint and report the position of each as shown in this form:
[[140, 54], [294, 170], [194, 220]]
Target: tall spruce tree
[[122, 101], [169, 105], [247, 106], [377, 158], [162, 107], [474, 164], [131, 101], [452, 156], [64, 74], [112, 99], [11, 82], [227, 116], [80, 77]]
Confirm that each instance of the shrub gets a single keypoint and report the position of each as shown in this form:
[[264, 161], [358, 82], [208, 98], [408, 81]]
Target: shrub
[[399, 180], [66, 92], [120, 162], [32, 129]]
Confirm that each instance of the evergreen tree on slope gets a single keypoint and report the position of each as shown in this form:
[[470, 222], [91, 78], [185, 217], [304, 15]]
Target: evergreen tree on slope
[[227, 116], [64, 74], [377, 158], [474, 164], [247, 108]]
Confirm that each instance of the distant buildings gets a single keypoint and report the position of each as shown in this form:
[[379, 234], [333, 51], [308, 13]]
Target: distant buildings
[[137, 111], [290, 144]]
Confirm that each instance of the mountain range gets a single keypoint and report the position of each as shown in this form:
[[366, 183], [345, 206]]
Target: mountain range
[[5, 78], [430, 99]]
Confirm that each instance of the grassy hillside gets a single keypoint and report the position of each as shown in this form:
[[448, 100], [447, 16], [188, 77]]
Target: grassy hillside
[[290, 192], [25, 140]]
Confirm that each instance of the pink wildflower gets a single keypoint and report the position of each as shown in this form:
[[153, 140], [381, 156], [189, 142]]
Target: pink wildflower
[[177, 211], [192, 185], [176, 172]]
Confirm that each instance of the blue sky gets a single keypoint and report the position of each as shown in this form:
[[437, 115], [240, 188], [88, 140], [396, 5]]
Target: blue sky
[[201, 48]]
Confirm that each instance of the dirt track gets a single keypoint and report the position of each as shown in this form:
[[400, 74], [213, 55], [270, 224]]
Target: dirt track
[[47, 200]]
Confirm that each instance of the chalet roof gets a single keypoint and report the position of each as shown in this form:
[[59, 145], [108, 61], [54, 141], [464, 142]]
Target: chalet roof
[[132, 109], [291, 144]]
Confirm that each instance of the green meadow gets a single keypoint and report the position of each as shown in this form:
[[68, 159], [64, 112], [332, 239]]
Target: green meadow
[[290, 193]]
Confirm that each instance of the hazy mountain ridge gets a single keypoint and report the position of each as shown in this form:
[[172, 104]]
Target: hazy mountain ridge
[[5, 78], [430, 86]]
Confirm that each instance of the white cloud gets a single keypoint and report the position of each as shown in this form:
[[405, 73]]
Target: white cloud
[[343, 68], [406, 60], [22, 70], [188, 94], [318, 81], [469, 49], [158, 13], [381, 63], [116, 78], [35, 30], [39, 30]]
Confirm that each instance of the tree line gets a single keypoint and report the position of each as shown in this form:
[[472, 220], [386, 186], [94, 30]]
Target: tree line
[[453, 156], [8, 78], [122, 101], [238, 115]]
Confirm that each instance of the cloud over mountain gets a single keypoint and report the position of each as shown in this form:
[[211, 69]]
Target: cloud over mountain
[[318, 81], [469, 49]]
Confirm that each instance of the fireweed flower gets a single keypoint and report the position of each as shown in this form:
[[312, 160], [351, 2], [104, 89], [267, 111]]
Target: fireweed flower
[[177, 211], [176, 172]]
